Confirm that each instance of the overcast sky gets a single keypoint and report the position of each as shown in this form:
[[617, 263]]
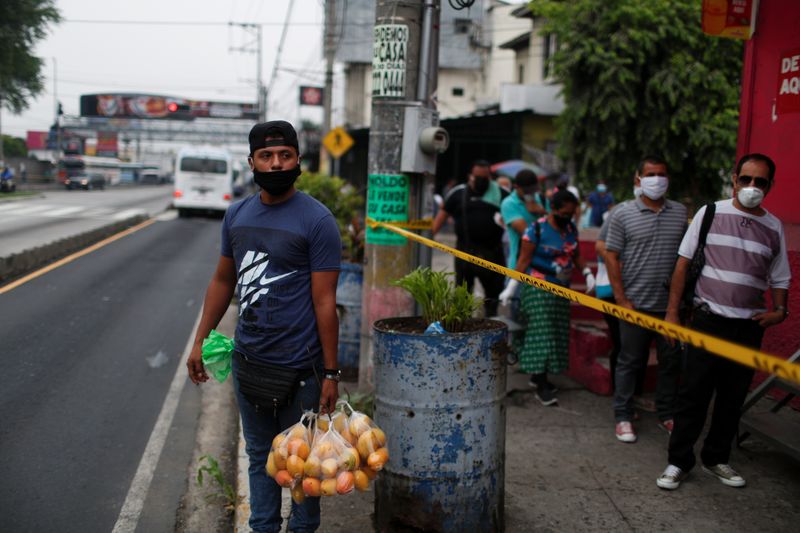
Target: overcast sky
[[192, 61]]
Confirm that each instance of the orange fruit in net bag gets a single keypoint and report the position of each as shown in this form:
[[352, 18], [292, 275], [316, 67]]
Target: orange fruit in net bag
[[370, 473], [298, 495], [299, 447], [311, 487], [276, 442], [329, 468], [360, 480], [283, 478], [344, 482], [378, 458], [380, 436], [367, 443], [313, 466], [271, 468], [359, 424], [295, 465], [328, 487]]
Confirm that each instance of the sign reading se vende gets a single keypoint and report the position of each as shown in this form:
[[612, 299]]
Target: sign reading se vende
[[788, 100]]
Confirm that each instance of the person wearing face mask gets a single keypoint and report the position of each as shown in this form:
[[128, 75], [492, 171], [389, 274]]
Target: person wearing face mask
[[600, 201], [641, 246], [745, 253], [549, 251], [280, 254], [519, 209], [475, 206]]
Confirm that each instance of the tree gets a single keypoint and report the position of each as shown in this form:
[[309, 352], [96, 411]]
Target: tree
[[14, 146], [22, 24], [642, 78]]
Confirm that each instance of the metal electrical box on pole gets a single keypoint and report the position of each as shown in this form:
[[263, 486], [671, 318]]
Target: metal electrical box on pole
[[399, 183]]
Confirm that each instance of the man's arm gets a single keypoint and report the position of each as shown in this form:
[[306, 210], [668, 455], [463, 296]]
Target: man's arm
[[770, 318], [218, 298], [438, 222], [323, 295], [676, 285], [614, 268], [519, 225]]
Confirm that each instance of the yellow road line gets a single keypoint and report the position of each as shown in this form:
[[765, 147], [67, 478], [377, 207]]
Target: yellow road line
[[44, 270], [735, 352]]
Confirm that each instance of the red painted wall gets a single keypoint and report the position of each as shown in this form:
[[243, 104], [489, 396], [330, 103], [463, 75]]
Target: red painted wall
[[770, 123]]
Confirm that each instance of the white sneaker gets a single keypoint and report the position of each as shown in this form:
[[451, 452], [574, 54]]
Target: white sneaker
[[726, 474], [625, 432], [671, 478]]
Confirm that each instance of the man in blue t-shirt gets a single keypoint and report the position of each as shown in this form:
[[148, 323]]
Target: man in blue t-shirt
[[281, 254]]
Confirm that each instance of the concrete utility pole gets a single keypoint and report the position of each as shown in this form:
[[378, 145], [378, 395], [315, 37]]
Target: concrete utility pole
[[254, 47], [406, 38], [327, 94]]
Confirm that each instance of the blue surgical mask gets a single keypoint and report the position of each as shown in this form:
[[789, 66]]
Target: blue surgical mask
[[601, 188]]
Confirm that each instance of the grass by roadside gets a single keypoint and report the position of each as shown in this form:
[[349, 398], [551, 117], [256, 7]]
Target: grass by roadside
[[17, 195]]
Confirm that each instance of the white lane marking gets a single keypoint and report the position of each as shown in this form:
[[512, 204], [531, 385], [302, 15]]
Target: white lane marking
[[98, 212], [25, 210], [64, 211], [128, 213], [10, 206], [137, 493]]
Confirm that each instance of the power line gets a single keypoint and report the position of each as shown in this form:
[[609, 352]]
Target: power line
[[181, 22]]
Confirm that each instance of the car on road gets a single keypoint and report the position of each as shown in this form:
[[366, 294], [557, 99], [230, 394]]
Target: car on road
[[86, 182]]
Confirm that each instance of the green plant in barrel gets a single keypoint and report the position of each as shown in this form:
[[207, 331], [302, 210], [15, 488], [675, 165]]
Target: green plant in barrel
[[440, 301]]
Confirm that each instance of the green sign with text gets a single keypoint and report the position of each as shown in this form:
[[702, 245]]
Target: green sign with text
[[387, 201]]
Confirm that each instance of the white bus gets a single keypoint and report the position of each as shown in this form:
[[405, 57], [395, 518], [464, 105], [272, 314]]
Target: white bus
[[203, 180]]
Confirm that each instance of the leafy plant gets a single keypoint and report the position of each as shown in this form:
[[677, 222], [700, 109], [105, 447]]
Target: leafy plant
[[642, 78], [212, 469], [439, 300], [345, 202]]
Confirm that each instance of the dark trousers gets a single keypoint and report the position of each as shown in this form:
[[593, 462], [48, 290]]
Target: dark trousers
[[705, 375], [613, 332], [633, 354], [492, 282]]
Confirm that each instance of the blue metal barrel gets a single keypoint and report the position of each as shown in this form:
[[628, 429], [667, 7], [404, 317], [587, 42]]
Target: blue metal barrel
[[348, 303], [439, 399]]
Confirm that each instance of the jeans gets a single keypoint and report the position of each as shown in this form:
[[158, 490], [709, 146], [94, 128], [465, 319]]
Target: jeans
[[705, 375], [259, 428], [634, 352]]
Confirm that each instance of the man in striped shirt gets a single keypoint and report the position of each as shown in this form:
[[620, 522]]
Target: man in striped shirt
[[641, 246], [745, 254]]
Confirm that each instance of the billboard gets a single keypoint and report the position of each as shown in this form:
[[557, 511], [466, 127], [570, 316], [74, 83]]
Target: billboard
[[729, 18], [153, 106]]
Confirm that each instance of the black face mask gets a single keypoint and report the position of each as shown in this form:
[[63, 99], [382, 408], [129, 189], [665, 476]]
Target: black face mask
[[481, 185], [561, 221], [278, 182]]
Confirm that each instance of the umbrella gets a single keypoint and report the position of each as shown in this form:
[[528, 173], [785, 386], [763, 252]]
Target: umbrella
[[511, 167]]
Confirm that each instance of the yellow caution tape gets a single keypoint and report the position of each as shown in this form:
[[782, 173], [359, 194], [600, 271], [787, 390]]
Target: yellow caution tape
[[423, 223], [730, 350]]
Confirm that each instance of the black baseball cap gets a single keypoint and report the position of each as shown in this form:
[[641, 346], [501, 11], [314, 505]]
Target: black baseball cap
[[273, 128]]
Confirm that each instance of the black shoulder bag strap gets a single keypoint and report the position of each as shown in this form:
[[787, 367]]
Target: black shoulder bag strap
[[699, 258]]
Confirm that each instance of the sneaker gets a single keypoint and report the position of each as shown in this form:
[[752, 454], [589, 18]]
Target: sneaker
[[625, 432], [666, 425], [671, 478], [546, 396], [726, 474]]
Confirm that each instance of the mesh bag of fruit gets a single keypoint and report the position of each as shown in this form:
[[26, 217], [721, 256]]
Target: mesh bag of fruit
[[330, 466], [289, 452]]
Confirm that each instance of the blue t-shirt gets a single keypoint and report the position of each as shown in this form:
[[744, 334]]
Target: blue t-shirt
[[600, 204], [276, 248], [554, 254], [513, 208]]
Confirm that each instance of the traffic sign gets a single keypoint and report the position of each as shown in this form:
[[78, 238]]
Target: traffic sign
[[337, 142]]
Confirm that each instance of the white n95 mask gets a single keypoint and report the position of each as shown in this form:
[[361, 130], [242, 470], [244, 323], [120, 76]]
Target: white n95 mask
[[750, 197]]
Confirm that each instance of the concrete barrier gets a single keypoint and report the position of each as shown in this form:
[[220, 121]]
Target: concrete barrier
[[17, 264]]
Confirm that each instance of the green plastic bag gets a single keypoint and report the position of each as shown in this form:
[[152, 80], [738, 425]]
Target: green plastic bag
[[217, 352]]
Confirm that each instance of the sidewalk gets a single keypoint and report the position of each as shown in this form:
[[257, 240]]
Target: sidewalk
[[566, 471]]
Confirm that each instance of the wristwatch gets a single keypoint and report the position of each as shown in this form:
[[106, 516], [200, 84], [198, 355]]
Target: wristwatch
[[332, 373], [782, 308]]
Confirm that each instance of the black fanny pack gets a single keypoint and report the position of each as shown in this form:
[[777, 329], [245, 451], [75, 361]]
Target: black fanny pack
[[266, 385]]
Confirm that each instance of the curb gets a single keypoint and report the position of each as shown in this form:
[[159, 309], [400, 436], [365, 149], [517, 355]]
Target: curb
[[17, 264]]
